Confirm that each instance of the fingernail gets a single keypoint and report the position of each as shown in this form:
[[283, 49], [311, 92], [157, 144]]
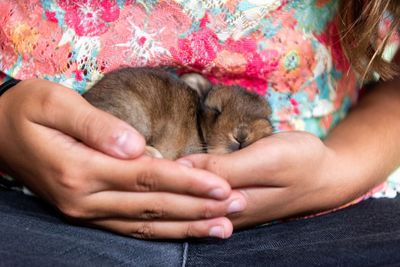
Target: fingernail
[[185, 162], [217, 231], [126, 143], [217, 193], [236, 206]]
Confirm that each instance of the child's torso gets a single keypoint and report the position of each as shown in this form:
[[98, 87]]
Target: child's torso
[[287, 50]]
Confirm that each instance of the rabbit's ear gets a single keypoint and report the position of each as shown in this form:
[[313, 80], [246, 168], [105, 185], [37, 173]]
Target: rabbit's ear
[[198, 83]]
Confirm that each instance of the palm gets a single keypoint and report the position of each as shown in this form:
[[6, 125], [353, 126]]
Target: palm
[[280, 176]]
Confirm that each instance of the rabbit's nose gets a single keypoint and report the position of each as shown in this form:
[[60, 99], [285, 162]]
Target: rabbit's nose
[[240, 139], [234, 146]]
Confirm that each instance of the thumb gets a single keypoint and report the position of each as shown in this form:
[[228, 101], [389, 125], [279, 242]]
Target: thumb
[[70, 113]]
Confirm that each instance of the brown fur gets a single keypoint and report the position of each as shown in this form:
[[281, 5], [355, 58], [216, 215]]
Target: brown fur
[[171, 116], [161, 108], [234, 118]]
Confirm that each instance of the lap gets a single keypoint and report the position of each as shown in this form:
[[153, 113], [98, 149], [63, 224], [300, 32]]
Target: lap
[[365, 234], [32, 232]]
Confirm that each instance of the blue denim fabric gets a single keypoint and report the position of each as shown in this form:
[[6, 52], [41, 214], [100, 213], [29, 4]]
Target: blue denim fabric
[[367, 234], [32, 234]]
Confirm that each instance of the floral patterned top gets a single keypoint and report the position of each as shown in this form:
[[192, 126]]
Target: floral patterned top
[[285, 50]]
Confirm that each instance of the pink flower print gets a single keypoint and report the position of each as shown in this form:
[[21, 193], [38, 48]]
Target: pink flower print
[[242, 64], [261, 65], [258, 70], [24, 38], [384, 28], [286, 18], [258, 86], [8, 56], [51, 16], [326, 121], [346, 84], [74, 71], [285, 126], [230, 62], [296, 62], [89, 17], [295, 106], [345, 88], [112, 55], [312, 91], [198, 49], [331, 38], [169, 21], [48, 58], [35, 40], [136, 45]]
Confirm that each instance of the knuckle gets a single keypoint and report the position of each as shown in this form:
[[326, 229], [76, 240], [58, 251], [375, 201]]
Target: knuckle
[[70, 183], [145, 181], [191, 185], [190, 230], [49, 101], [69, 180], [73, 211], [144, 231], [90, 126], [207, 211], [51, 98], [155, 212]]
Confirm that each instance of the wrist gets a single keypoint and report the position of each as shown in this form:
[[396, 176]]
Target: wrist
[[346, 174]]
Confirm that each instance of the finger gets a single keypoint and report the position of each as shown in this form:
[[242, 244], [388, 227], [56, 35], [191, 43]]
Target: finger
[[94, 171], [269, 200], [249, 167], [164, 206], [276, 203], [234, 171], [221, 165], [219, 227], [65, 110], [147, 174]]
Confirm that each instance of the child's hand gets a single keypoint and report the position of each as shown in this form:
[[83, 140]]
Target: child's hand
[[283, 175], [90, 166]]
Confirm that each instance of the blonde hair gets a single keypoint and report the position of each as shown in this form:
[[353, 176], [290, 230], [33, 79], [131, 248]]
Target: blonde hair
[[359, 28]]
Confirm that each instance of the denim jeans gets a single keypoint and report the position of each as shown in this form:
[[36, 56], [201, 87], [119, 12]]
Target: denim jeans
[[366, 234]]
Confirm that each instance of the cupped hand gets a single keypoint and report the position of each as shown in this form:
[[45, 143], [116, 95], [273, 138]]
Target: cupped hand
[[91, 166], [284, 175]]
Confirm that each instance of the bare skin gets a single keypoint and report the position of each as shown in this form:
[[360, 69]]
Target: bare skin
[[291, 173], [295, 173], [91, 166]]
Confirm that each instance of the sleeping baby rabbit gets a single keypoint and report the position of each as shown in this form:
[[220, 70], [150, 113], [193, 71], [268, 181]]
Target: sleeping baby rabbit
[[177, 119]]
